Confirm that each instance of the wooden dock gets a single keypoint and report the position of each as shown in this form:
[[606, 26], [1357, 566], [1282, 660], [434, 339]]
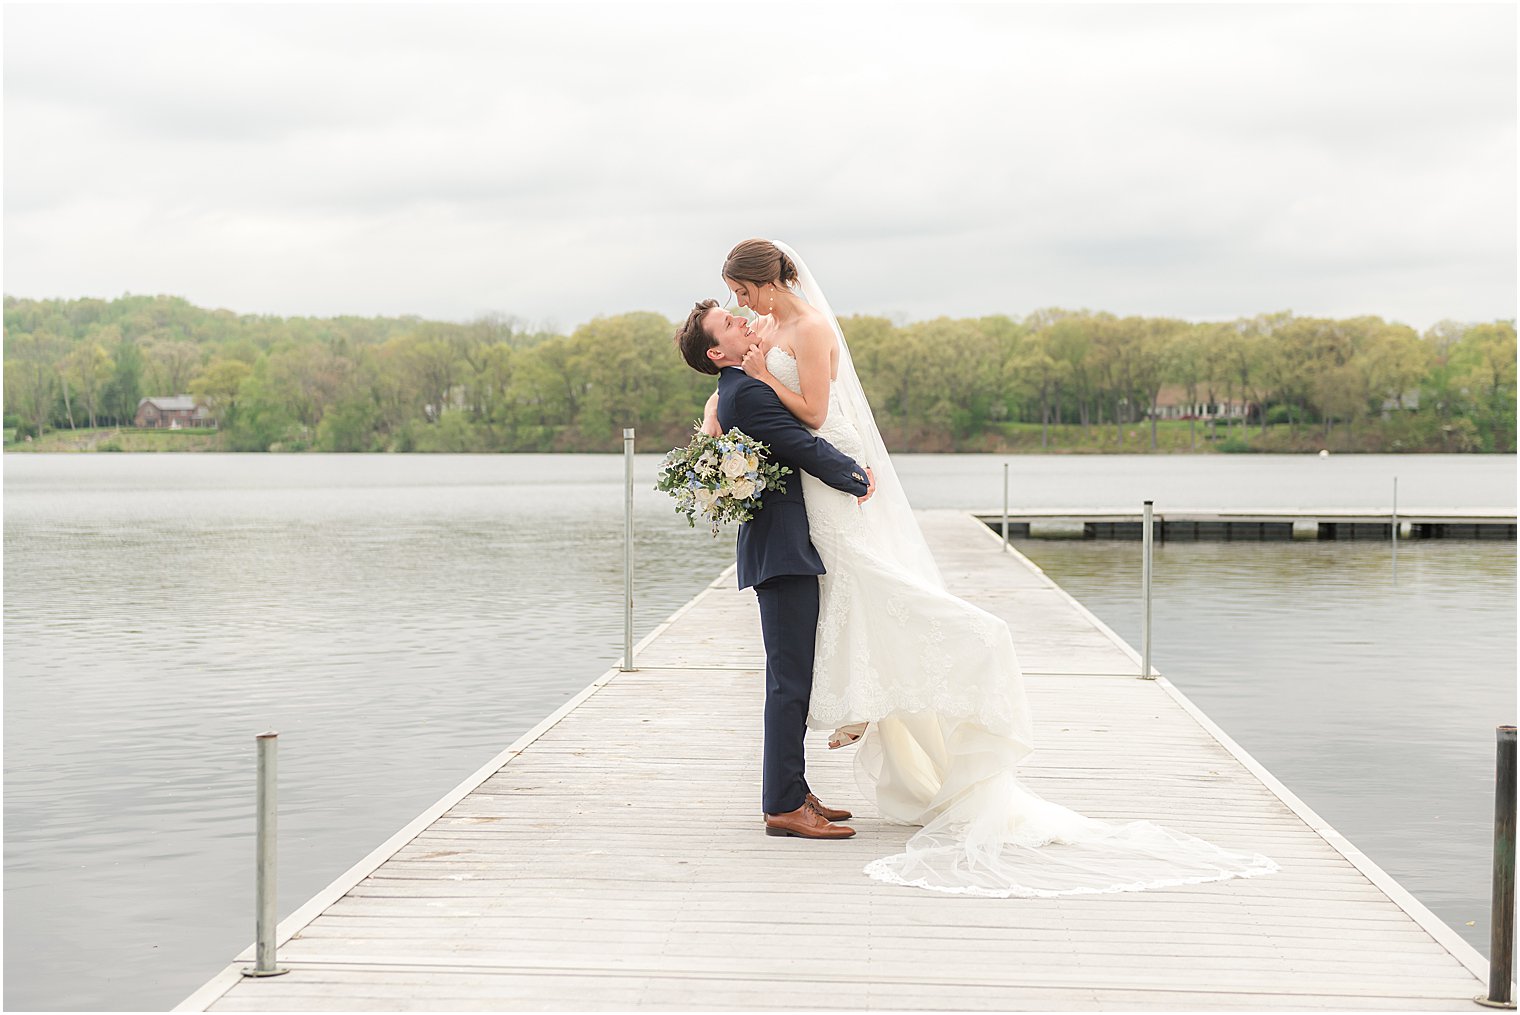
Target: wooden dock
[[613, 858], [1250, 524]]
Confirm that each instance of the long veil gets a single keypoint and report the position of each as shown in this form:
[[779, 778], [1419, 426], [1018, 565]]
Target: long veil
[[939, 755], [888, 514]]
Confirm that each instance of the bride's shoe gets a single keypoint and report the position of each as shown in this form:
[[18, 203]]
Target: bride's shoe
[[844, 736]]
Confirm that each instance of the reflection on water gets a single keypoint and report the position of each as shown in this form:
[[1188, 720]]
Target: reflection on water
[[1372, 696], [400, 619]]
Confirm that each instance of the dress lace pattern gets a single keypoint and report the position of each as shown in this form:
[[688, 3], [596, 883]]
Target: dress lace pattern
[[939, 681], [858, 674]]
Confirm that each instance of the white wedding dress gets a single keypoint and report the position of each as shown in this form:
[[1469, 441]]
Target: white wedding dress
[[939, 682]]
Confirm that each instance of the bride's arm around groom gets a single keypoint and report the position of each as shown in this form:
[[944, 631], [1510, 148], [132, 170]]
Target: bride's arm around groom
[[753, 407]]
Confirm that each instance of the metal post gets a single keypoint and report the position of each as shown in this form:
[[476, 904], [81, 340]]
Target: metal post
[[1005, 506], [264, 853], [1145, 635], [1501, 941], [627, 551]]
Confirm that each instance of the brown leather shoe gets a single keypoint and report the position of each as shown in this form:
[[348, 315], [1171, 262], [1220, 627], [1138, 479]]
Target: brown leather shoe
[[832, 813], [805, 823]]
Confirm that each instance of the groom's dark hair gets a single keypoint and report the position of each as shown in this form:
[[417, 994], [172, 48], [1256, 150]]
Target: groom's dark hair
[[694, 340]]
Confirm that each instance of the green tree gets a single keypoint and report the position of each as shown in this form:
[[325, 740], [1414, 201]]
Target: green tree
[[350, 425], [1290, 366], [1035, 370], [171, 363], [490, 380], [1395, 361], [263, 417], [934, 385], [31, 382], [1069, 344], [1184, 365], [305, 380], [123, 391], [219, 388], [1153, 355], [1484, 362], [871, 341], [624, 371], [1249, 358], [435, 365], [541, 394], [88, 369]]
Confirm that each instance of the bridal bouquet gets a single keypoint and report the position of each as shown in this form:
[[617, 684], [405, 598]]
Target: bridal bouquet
[[720, 478]]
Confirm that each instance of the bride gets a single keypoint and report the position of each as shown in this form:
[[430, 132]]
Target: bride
[[927, 683]]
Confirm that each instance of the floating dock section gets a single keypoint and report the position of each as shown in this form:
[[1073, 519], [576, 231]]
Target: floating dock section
[[1247, 524]]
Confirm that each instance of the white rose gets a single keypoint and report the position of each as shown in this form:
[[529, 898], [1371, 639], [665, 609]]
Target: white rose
[[743, 489], [734, 465], [704, 496]]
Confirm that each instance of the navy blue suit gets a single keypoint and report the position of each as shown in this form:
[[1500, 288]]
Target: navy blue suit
[[777, 558]]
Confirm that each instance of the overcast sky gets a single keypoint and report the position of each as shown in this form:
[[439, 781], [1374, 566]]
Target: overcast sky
[[559, 162]]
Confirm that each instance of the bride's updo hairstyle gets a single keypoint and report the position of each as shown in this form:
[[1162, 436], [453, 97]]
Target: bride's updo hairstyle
[[759, 262], [694, 341]]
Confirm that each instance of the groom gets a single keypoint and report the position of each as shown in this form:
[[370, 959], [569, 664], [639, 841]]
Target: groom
[[776, 556]]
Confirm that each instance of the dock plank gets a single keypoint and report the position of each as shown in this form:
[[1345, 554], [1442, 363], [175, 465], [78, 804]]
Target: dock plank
[[614, 859]]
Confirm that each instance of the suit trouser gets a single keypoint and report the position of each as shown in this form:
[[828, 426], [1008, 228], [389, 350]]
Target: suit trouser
[[789, 627]]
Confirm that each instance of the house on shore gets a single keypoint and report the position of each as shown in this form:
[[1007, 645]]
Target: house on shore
[[1172, 403], [172, 412], [1407, 401]]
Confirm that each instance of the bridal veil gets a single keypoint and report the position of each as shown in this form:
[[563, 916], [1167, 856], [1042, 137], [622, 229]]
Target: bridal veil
[[949, 722]]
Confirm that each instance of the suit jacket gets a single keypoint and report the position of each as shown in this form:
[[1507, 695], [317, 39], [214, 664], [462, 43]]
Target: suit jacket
[[776, 541]]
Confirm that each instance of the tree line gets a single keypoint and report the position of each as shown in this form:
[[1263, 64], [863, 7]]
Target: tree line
[[496, 384]]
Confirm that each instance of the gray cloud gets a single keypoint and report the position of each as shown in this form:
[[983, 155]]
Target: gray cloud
[[571, 160]]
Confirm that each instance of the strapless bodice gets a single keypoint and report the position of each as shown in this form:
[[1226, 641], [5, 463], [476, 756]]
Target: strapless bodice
[[783, 367], [836, 429]]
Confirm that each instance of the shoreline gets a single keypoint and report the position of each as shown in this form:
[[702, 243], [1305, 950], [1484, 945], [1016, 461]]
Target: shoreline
[[1390, 437]]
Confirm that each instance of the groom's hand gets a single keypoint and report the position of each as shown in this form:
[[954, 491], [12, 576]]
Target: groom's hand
[[869, 489]]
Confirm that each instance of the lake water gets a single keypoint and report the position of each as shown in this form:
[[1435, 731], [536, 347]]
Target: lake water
[[400, 619], [1371, 694]]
